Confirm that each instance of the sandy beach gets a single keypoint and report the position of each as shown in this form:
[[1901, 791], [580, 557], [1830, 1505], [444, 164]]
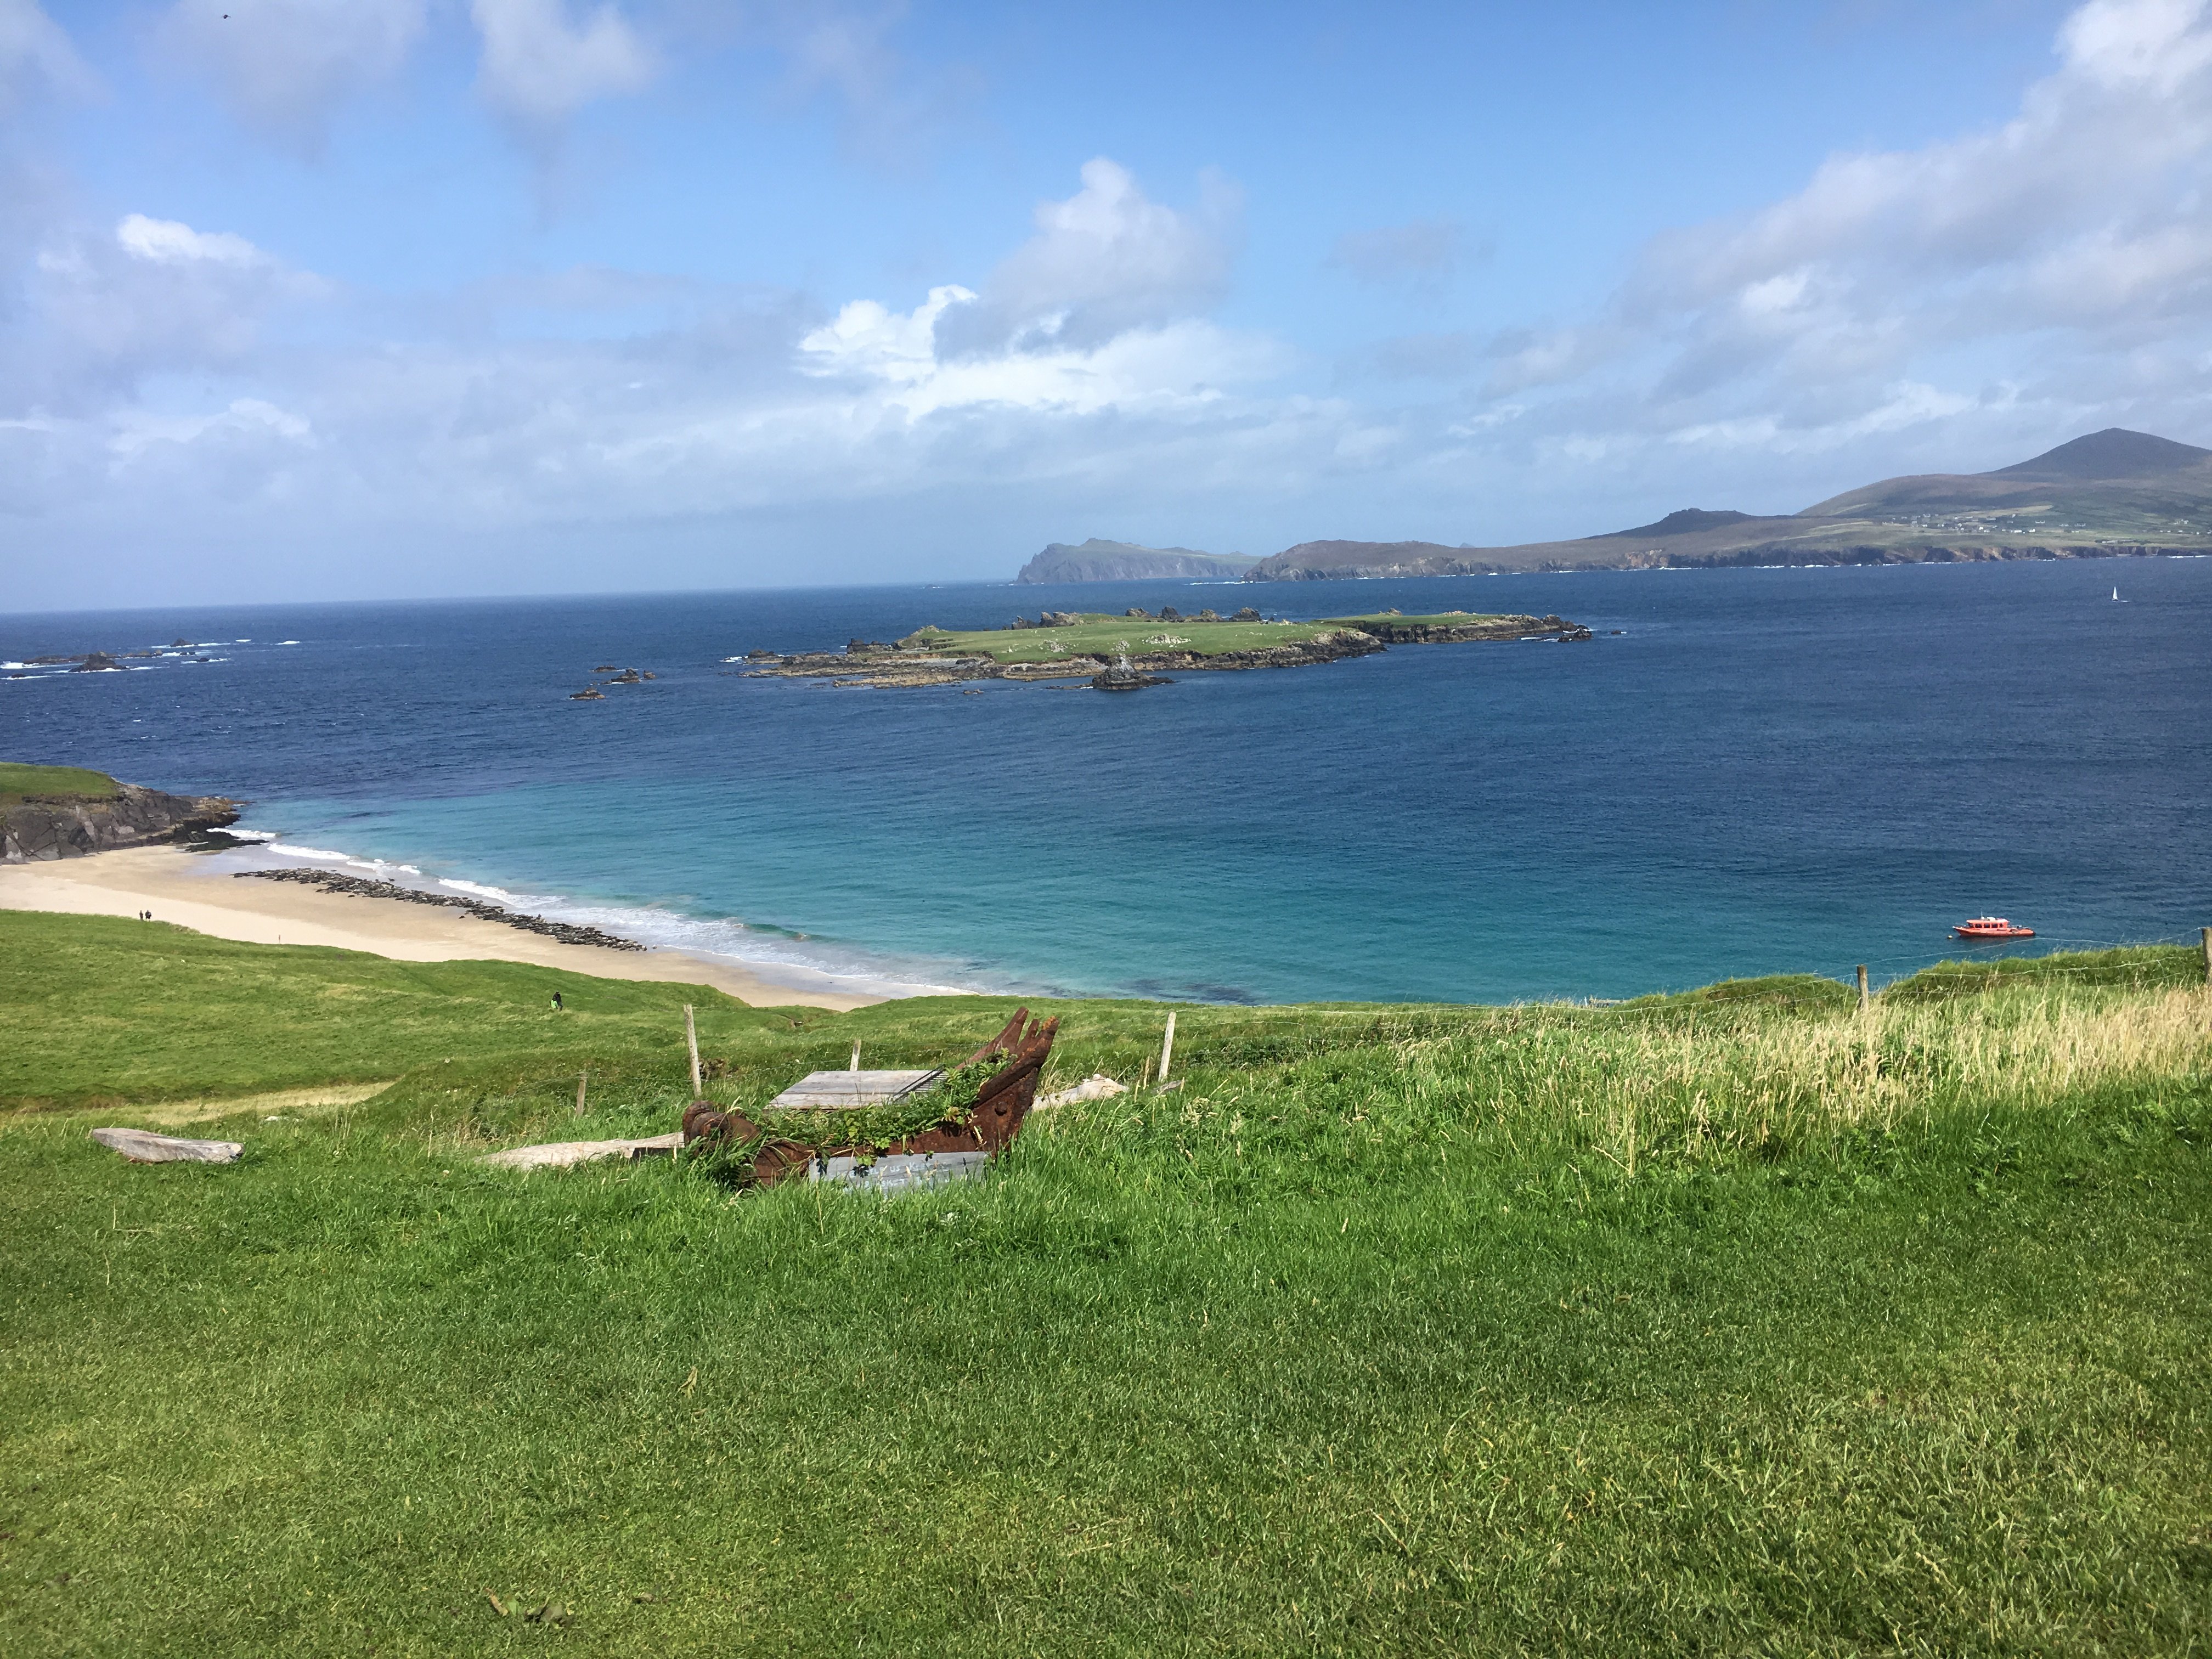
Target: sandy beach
[[179, 888]]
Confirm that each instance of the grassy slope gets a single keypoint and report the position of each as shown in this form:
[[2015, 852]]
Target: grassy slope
[[102, 1009], [17, 779], [1725, 1324]]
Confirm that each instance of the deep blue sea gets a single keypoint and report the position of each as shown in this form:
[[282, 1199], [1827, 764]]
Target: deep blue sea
[[1767, 770]]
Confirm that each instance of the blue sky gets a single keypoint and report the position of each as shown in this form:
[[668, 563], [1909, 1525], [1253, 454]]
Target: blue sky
[[364, 298]]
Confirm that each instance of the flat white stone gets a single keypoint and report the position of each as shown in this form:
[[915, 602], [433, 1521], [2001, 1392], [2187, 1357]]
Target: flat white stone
[[1097, 1086], [140, 1147], [563, 1154]]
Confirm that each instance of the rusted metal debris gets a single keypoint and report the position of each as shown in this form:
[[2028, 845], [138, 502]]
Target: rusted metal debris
[[1001, 1104]]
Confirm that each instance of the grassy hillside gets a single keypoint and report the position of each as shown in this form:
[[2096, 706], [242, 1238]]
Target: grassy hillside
[[1729, 1324], [18, 781]]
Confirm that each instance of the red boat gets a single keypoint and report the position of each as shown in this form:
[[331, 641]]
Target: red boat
[[1991, 927]]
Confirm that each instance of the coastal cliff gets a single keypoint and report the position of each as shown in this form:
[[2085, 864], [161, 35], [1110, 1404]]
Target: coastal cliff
[[93, 813]]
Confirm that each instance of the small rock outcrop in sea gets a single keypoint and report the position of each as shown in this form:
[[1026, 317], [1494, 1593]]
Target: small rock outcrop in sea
[[39, 826], [1247, 614], [568, 933], [96, 662], [589, 694], [1121, 677]]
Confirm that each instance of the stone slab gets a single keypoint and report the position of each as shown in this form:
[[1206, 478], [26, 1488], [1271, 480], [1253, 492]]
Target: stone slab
[[564, 1154], [141, 1147]]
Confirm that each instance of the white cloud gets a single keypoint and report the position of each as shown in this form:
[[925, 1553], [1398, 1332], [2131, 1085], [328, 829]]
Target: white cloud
[[1106, 259], [166, 241], [284, 65], [541, 67], [2064, 237], [868, 339]]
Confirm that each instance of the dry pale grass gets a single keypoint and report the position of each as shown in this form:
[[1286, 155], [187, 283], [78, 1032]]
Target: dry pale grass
[[167, 1114], [1637, 1090]]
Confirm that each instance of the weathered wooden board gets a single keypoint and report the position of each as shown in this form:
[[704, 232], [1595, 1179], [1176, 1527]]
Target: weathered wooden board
[[819, 1090], [141, 1147], [561, 1154]]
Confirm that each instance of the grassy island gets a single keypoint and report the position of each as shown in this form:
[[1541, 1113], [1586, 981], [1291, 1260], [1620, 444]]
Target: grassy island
[[1732, 1321], [1068, 645]]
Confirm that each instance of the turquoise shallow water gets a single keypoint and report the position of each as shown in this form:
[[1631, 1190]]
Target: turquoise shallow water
[[1767, 770]]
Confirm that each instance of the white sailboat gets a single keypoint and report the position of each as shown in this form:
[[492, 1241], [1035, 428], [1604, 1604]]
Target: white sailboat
[[2116, 595]]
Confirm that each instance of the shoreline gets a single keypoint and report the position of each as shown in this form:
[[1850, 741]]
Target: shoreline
[[180, 888]]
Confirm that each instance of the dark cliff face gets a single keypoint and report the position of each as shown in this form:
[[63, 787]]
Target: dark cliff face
[[35, 827]]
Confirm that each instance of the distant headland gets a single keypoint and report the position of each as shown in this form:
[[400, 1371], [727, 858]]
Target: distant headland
[[2109, 495], [1097, 560]]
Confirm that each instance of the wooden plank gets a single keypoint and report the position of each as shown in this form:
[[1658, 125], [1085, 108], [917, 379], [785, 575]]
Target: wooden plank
[[831, 1091], [140, 1147]]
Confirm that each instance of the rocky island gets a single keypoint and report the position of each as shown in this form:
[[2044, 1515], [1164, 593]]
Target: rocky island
[[1082, 645]]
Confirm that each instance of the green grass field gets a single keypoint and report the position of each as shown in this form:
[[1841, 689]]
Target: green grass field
[[1730, 1323], [18, 781], [1102, 635]]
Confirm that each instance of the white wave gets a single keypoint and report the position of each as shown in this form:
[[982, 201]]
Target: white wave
[[18, 665], [252, 834], [287, 641], [780, 958], [478, 889]]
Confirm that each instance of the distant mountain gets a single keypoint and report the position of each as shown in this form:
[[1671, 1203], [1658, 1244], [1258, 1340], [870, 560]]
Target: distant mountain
[[1097, 560], [2109, 493]]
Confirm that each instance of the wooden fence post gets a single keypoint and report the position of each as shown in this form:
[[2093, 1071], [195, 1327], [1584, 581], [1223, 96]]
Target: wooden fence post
[[1167, 1052], [2207, 956], [856, 1066], [1865, 1001], [581, 1078], [691, 1041]]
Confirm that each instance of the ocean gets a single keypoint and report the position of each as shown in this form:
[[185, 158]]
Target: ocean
[[1762, 771]]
